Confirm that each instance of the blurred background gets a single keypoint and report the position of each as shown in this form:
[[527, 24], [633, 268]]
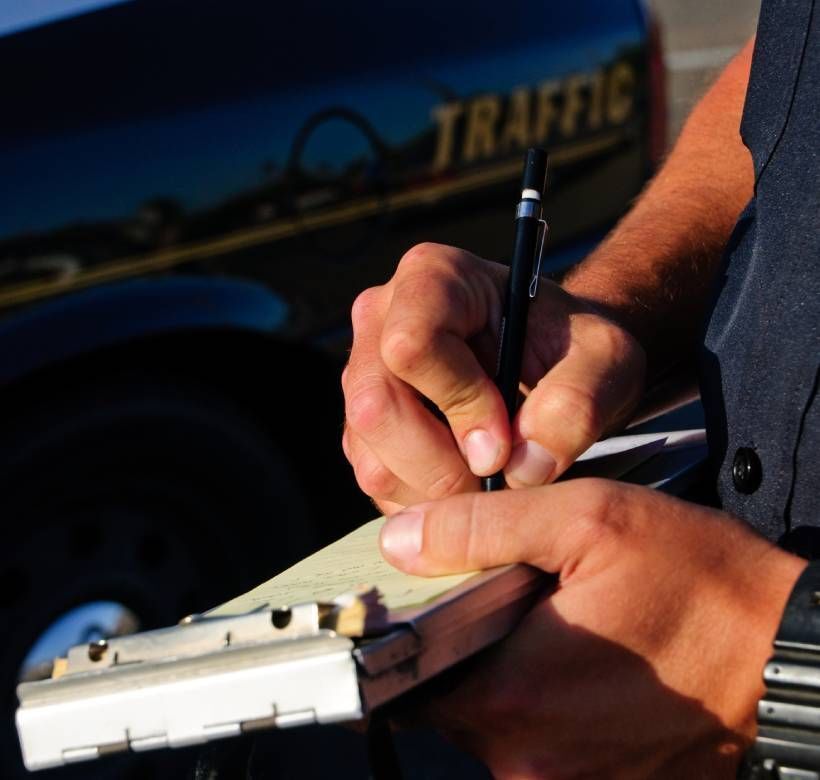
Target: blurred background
[[699, 39], [190, 206]]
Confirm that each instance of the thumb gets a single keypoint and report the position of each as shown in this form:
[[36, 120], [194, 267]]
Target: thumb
[[593, 388], [551, 527]]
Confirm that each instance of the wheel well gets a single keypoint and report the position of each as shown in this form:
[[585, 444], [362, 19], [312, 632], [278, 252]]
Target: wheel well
[[290, 392]]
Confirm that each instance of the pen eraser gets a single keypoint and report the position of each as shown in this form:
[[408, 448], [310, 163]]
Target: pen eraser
[[535, 170]]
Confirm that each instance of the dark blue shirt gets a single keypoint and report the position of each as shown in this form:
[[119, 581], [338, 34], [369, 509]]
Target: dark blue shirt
[[759, 367]]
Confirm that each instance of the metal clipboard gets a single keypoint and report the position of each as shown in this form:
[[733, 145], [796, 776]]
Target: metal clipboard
[[220, 677], [213, 678]]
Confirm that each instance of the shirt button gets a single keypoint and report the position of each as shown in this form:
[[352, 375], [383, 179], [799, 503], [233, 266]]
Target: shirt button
[[747, 472]]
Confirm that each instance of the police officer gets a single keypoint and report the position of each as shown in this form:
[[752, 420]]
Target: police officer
[[648, 658]]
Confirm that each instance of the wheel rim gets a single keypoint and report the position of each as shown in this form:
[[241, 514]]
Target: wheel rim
[[83, 624]]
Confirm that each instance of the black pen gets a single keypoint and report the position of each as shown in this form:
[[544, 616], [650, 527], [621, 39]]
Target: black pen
[[522, 284]]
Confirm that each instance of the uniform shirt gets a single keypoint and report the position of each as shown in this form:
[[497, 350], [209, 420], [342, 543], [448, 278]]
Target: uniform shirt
[[759, 366]]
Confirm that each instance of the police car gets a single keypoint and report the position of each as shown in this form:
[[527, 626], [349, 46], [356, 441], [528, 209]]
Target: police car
[[193, 194]]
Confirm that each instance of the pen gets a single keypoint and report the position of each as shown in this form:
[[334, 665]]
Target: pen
[[522, 285]]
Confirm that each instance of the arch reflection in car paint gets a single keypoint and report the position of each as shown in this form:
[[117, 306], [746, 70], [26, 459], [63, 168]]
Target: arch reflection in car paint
[[337, 156]]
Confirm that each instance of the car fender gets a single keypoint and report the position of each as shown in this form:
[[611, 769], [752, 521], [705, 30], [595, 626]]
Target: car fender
[[74, 325]]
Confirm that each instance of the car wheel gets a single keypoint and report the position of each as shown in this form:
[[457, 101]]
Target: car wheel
[[125, 508]]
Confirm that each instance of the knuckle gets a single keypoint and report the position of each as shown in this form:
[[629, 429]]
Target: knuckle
[[597, 518], [419, 254], [576, 408], [368, 406], [374, 478], [472, 528], [411, 354], [404, 348], [364, 307], [429, 261], [461, 400], [442, 484]]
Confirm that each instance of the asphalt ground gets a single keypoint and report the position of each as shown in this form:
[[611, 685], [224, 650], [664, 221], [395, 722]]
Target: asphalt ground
[[699, 38]]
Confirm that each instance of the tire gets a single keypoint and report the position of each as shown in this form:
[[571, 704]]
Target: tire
[[153, 494]]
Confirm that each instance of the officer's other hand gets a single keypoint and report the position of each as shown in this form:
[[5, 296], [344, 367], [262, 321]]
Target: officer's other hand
[[647, 658], [431, 333]]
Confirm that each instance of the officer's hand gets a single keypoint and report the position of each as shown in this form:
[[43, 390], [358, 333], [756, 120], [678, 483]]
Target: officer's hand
[[431, 332], [646, 660]]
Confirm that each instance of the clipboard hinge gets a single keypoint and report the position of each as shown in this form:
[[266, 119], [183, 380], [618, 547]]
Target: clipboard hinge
[[188, 700]]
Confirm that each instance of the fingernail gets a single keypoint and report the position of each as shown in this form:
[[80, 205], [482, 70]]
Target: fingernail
[[401, 535], [482, 452], [530, 464]]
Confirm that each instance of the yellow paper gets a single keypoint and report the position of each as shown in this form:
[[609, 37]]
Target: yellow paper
[[345, 566]]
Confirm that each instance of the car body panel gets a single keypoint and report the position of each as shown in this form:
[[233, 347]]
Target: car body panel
[[125, 312], [306, 149]]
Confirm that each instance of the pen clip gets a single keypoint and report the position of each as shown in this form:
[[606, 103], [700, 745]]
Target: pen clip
[[544, 227]]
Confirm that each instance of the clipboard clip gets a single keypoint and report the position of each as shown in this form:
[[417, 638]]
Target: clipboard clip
[[350, 615], [195, 634], [209, 678], [215, 677]]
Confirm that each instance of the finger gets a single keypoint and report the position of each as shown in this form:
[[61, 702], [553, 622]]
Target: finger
[[578, 399], [389, 504], [441, 298], [377, 481], [392, 421], [408, 440], [388, 508], [346, 446], [552, 527]]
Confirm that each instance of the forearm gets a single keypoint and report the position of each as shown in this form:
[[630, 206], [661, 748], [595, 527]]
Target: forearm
[[653, 272]]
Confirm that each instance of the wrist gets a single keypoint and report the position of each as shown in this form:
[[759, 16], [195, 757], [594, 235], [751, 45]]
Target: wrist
[[788, 715], [658, 297], [595, 283], [777, 573], [606, 284]]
